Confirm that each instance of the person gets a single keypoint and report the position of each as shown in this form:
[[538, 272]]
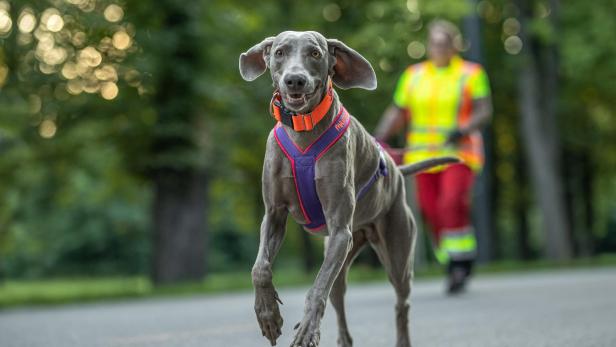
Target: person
[[443, 102]]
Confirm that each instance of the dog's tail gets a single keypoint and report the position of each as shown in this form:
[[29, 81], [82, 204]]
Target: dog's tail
[[426, 164]]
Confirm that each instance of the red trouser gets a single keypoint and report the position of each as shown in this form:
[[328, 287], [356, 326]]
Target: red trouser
[[444, 198]]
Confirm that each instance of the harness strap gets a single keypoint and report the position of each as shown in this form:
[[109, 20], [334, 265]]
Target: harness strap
[[380, 172], [303, 166], [303, 162]]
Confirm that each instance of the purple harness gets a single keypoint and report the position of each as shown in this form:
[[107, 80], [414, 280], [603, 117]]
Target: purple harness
[[303, 163]]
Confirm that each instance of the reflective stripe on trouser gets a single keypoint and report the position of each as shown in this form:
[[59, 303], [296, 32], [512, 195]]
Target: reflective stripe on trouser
[[457, 244]]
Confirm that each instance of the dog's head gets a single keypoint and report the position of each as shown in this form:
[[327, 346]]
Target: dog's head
[[300, 63]]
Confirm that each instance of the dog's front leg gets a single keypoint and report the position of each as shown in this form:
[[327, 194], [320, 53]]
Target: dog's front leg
[[339, 244], [337, 248], [266, 297]]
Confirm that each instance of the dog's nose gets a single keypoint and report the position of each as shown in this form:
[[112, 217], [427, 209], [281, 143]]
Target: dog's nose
[[295, 81]]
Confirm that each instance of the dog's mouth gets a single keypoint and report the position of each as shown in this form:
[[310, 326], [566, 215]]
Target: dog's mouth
[[296, 98], [299, 101]]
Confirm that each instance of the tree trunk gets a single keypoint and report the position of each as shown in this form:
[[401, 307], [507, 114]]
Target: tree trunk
[[483, 197], [580, 195], [179, 226], [569, 175], [180, 181], [525, 251], [543, 169], [587, 186]]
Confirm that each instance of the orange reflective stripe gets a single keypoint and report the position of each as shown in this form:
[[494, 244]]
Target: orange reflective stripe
[[471, 151], [469, 68]]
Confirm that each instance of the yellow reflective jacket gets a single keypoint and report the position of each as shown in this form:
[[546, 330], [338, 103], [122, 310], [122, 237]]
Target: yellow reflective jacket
[[439, 100]]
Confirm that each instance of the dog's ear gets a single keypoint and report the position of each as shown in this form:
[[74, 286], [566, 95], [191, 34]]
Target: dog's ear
[[348, 68], [254, 61]]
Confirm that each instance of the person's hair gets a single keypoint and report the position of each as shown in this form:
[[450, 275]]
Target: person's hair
[[449, 29]]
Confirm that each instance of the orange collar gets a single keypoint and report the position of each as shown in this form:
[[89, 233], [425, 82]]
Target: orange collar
[[301, 122]]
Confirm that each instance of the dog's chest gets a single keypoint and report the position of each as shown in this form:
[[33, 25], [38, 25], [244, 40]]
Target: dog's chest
[[290, 185]]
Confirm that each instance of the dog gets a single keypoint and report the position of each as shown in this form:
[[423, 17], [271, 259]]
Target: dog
[[324, 169]]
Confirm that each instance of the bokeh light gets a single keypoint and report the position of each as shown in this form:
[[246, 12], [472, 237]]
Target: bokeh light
[[55, 56], [543, 10], [513, 45], [84, 5], [51, 20], [121, 40], [47, 129], [46, 68], [90, 56], [376, 10], [331, 12], [69, 71], [511, 26], [79, 38], [46, 42], [26, 22], [113, 13], [412, 6], [109, 91], [5, 22], [385, 65], [35, 103], [74, 86], [91, 84], [106, 73], [86, 64], [416, 50], [488, 11], [55, 23]]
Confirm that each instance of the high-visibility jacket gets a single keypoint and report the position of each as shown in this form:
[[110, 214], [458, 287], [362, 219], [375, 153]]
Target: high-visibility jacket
[[439, 100]]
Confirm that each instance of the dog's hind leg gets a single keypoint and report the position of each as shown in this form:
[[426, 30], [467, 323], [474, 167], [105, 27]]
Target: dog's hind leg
[[394, 243], [336, 295]]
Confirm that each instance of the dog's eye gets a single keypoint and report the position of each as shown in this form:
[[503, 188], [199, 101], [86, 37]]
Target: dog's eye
[[316, 54], [278, 53]]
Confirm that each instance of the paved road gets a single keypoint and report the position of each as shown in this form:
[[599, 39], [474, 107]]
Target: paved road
[[564, 308]]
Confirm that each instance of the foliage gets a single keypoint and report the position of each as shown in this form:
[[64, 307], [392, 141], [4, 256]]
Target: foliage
[[74, 165]]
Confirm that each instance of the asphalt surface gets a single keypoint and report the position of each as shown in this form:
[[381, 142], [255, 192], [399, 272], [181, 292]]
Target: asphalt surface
[[563, 308]]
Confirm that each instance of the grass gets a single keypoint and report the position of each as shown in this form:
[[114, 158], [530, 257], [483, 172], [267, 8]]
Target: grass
[[59, 291]]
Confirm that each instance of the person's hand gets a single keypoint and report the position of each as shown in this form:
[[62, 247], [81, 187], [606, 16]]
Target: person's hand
[[454, 137]]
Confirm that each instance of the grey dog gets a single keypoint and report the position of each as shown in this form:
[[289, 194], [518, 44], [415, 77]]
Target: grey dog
[[300, 64]]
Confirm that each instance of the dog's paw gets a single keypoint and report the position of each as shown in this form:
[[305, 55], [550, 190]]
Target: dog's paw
[[268, 313], [307, 335], [345, 340]]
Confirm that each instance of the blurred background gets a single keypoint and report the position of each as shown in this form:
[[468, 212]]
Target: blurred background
[[131, 149]]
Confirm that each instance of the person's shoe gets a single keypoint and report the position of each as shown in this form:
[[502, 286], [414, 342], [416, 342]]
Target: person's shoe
[[456, 281]]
